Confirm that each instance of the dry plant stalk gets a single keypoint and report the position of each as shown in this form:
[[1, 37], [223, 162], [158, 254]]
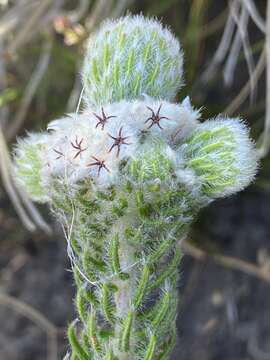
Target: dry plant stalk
[[235, 36]]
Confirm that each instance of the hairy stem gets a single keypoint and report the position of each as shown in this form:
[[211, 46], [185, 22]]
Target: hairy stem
[[123, 297]]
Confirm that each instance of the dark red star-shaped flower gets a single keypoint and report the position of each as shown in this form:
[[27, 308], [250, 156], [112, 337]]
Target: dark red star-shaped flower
[[118, 141], [99, 163], [77, 146], [102, 119], [155, 118]]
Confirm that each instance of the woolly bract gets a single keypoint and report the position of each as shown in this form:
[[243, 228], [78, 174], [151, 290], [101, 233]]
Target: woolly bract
[[31, 173], [216, 156], [131, 57], [222, 156]]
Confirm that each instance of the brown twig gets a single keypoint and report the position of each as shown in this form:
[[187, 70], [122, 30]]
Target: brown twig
[[33, 20], [30, 90], [26, 210], [243, 94], [37, 318], [237, 43], [9, 187], [120, 7], [241, 23], [79, 12], [214, 25], [255, 15], [15, 264], [100, 11], [15, 15], [263, 150], [222, 49], [226, 261], [4, 110]]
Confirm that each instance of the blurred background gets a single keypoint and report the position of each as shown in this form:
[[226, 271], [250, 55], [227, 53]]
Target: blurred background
[[224, 292]]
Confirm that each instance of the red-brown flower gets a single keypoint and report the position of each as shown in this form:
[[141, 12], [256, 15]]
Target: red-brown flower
[[155, 118], [118, 141], [102, 119], [99, 163], [77, 146]]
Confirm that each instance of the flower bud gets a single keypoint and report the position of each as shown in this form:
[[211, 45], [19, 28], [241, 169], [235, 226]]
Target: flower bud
[[131, 57]]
